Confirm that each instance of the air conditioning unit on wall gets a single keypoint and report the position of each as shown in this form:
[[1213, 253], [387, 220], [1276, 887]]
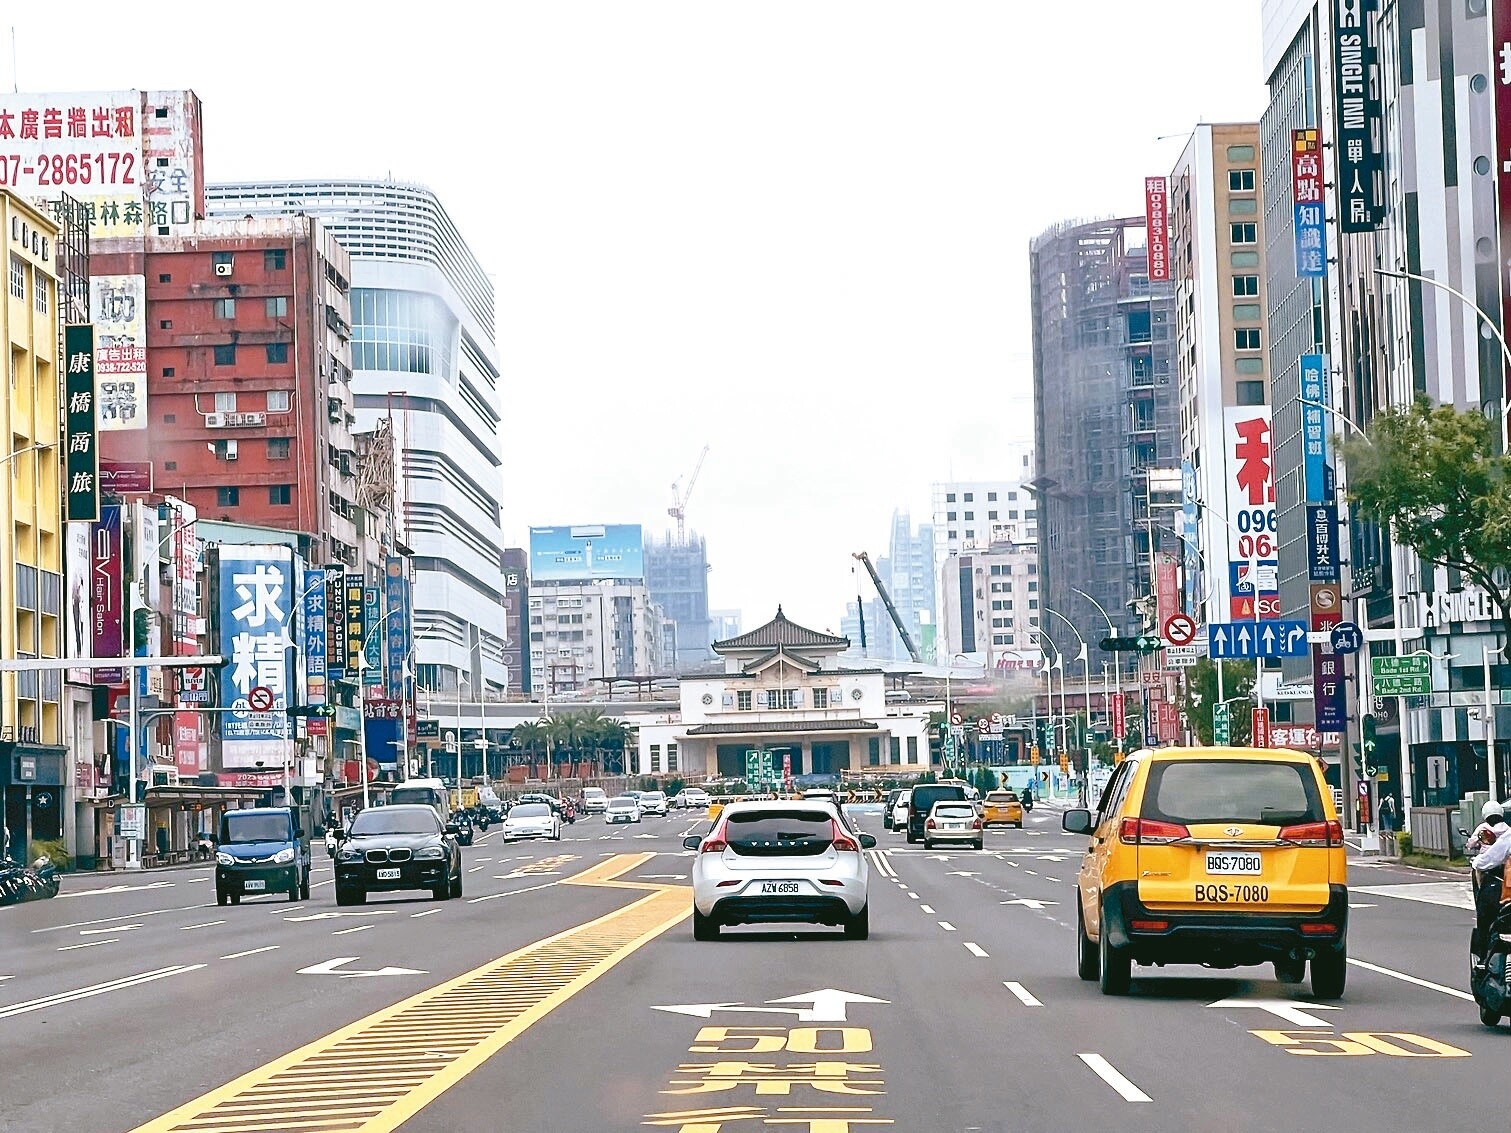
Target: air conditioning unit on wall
[[223, 269], [215, 420]]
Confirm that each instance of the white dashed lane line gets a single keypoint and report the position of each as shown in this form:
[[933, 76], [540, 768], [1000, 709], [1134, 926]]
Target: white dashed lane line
[[206, 924], [252, 952], [347, 931], [1109, 1074], [975, 950], [946, 926], [928, 909], [1023, 995]]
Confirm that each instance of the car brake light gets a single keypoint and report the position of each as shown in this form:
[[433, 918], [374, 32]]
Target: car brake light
[[1151, 832], [713, 846], [928, 824], [1318, 929], [842, 841], [976, 825], [1148, 926], [1314, 834]]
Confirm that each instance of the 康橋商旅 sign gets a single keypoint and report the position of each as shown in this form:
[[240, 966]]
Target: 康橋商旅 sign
[[81, 460], [256, 598]]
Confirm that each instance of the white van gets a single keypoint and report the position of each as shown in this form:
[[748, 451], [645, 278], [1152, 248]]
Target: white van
[[594, 801], [430, 792]]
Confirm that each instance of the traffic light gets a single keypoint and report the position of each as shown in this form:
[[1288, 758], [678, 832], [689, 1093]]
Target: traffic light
[[318, 711], [1145, 643], [1149, 643]]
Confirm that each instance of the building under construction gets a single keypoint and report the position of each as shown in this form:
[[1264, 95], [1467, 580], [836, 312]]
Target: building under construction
[[1106, 416]]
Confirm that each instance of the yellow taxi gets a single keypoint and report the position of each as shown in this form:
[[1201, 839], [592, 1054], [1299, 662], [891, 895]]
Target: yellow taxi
[[1002, 808], [1214, 856]]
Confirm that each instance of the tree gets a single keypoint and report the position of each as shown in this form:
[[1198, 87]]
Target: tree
[[1201, 696], [1431, 474], [529, 738]]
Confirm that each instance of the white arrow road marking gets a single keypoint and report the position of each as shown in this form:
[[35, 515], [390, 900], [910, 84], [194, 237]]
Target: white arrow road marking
[[1109, 1074], [332, 916], [1022, 993], [1028, 902], [1287, 1009], [97, 989], [829, 1006], [328, 968]]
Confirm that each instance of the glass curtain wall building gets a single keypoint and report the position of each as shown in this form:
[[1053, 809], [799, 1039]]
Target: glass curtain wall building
[[423, 349]]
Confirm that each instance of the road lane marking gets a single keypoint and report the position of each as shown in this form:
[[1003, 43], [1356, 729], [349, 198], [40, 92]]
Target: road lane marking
[[1453, 894], [118, 889], [406, 1055], [345, 931], [1109, 1074], [1022, 993], [975, 950], [509, 893], [946, 926], [97, 989], [89, 944], [206, 924], [1453, 991], [474, 869], [928, 909], [912, 895], [252, 951], [425, 913], [107, 931]]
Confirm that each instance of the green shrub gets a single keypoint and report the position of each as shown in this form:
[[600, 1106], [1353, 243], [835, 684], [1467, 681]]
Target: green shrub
[[1403, 843], [55, 850]]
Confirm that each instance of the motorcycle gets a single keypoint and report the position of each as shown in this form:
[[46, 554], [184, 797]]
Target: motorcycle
[[36, 882], [463, 823], [568, 813], [1028, 802], [1488, 960]]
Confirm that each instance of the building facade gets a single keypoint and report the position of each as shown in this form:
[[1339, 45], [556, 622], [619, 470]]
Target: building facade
[[970, 514], [677, 574], [783, 692], [424, 351], [989, 606], [584, 631], [34, 771], [1106, 415]]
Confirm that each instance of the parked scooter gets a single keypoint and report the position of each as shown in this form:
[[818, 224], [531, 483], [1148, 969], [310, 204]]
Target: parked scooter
[[20, 883]]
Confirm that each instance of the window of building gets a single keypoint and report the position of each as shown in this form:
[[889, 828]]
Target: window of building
[[278, 351], [170, 418], [1249, 365], [969, 496], [41, 289], [274, 259], [991, 515], [222, 259], [165, 324], [227, 497], [277, 306], [991, 497], [1250, 393], [743, 699], [781, 698], [165, 278], [1247, 312], [970, 515], [1241, 180], [969, 534], [278, 448], [671, 757], [224, 308], [873, 751], [1240, 153], [655, 759], [225, 450], [278, 400], [949, 497], [225, 403], [821, 698], [170, 465], [953, 534], [952, 516], [1245, 286], [1243, 206], [1246, 232], [168, 371], [912, 749], [225, 354], [280, 494], [1246, 338], [17, 276], [896, 752]]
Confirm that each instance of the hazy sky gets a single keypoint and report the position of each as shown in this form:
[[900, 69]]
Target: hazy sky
[[796, 230]]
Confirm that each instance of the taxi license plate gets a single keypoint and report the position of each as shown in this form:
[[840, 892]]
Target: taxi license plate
[[1234, 864], [250, 885], [778, 887], [388, 875]]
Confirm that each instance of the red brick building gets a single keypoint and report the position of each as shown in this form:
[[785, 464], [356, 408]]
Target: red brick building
[[248, 368]]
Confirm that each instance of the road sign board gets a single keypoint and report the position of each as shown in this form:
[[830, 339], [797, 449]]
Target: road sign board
[[1180, 629], [1259, 727], [1220, 731], [1269, 638], [1401, 676], [260, 698], [1347, 638], [1185, 661], [1194, 650], [1148, 643], [759, 767]]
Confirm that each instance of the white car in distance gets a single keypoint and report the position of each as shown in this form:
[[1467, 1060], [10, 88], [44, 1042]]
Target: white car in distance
[[532, 820], [623, 808], [653, 802], [594, 800], [900, 812], [692, 798]]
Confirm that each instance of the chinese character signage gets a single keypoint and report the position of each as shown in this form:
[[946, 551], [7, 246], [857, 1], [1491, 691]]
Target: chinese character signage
[[335, 622], [398, 630], [81, 462], [183, 546], [1157, 226], [1306, 200], [1327, 690], [1358, 117], [1259, 727], [119, 303], [187, 748], [315, 641], [1314, 427], [372, 647], [1322, 543], [88, 146], [356, 614], [1119, 719], [256, 597], [1250, 493], [106, 591]]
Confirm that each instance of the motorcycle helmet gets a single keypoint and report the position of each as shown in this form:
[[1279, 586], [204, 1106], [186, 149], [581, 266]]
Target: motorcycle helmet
[[1492, 812]]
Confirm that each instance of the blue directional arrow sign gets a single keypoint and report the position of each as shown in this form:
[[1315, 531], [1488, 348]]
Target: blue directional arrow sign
[[1265, 638]]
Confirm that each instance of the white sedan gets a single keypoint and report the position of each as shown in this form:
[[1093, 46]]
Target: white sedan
[[768, 862], [652, 802], [532, 820], [625, 808]]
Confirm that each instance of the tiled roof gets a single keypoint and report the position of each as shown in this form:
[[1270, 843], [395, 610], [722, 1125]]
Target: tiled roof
[[779, 632]]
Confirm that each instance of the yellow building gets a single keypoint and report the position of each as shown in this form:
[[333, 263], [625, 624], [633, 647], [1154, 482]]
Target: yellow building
[[33, 768]]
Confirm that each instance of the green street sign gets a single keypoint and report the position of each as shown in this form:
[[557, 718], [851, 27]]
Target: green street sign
[[1401, 676], [759, 767], [1220, 732]]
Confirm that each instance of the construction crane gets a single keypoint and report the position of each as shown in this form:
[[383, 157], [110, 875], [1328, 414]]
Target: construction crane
[[678, 510], [886, 600]]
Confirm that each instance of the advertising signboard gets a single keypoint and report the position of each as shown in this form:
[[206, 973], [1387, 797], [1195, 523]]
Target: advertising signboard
[[81, 468], [1306, 199], [335, 622], [187, 749], [1358, 117], [86, 145], [106, 591], [1314, 388], [183, 546], [1157, 222], [1322, 543], [316, 650], [356, 623], [1119, 719], [256, 597], [78, 575], [119, 303], [397, 630], [371, 643], [1327, 690], [587, 552], [1250, 493]]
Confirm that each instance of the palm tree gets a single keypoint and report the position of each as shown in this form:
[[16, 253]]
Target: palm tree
[[559, 732], [593, 725], [529, 738], [613, 739]]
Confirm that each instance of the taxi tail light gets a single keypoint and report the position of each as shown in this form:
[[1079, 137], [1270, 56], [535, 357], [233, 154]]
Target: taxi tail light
[[1148, 926], [1318, 929], [1151, 832], [1314, 834], [976, 825], [843, 841]]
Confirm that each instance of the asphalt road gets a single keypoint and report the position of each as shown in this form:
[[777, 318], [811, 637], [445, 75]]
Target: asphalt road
[[564, 992]]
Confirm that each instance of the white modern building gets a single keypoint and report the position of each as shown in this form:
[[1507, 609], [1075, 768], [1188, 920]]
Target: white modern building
[[424, 350], [582, 631], [971, 514], [784, 692], [989, 606]]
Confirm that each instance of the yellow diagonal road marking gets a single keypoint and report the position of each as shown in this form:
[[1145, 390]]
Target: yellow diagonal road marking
[[376, 1073]]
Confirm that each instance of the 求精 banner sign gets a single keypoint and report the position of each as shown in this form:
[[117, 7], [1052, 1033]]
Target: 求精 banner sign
[[256, 608]]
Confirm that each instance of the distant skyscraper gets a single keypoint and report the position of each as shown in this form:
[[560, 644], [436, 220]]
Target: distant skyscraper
[[677, 574]]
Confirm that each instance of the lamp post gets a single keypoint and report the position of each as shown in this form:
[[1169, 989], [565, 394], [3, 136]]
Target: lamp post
[[949, 711], [1491, 762], [1117, 667]]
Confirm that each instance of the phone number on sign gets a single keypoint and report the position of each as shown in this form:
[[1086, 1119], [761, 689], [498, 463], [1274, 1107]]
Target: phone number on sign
[[69, 169]]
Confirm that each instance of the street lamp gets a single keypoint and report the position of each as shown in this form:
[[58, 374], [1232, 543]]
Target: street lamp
[[1117, 667], [949, 711]]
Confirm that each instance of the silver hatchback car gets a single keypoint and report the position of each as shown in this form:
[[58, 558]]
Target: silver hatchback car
[[953, 822], [775, 861]]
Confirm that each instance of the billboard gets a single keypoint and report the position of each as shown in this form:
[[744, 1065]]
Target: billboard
[[187, 750], [1157, 226], [1306, 201], [106, 591], [1358, 116], [372, 644], [356, 624], [582, 553], [119, 303], [183, 550], [335, 622], [81, 469], [76, 572], [1250, 488], [397, 631], [88, 146], [256, 616]]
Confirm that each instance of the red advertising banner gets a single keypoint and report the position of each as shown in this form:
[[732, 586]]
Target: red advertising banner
[[1260, 719], [1500, 55], [1157, 221], [1166, 587], [1306, 167], [186, 745], [1119, 721], [1168, 722]]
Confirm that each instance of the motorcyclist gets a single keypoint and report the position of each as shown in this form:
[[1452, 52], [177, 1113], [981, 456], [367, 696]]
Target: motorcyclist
[[1491, 847], [1028, 798], [1492, 825]]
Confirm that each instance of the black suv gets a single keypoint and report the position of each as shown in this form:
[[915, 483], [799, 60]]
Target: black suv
[[923, 800], [397, 847]]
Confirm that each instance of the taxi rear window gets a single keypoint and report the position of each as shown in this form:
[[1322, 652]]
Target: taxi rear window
[[1196, 791]]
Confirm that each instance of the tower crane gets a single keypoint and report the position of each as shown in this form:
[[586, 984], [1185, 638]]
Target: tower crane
[[886, 600], [678, 510]]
